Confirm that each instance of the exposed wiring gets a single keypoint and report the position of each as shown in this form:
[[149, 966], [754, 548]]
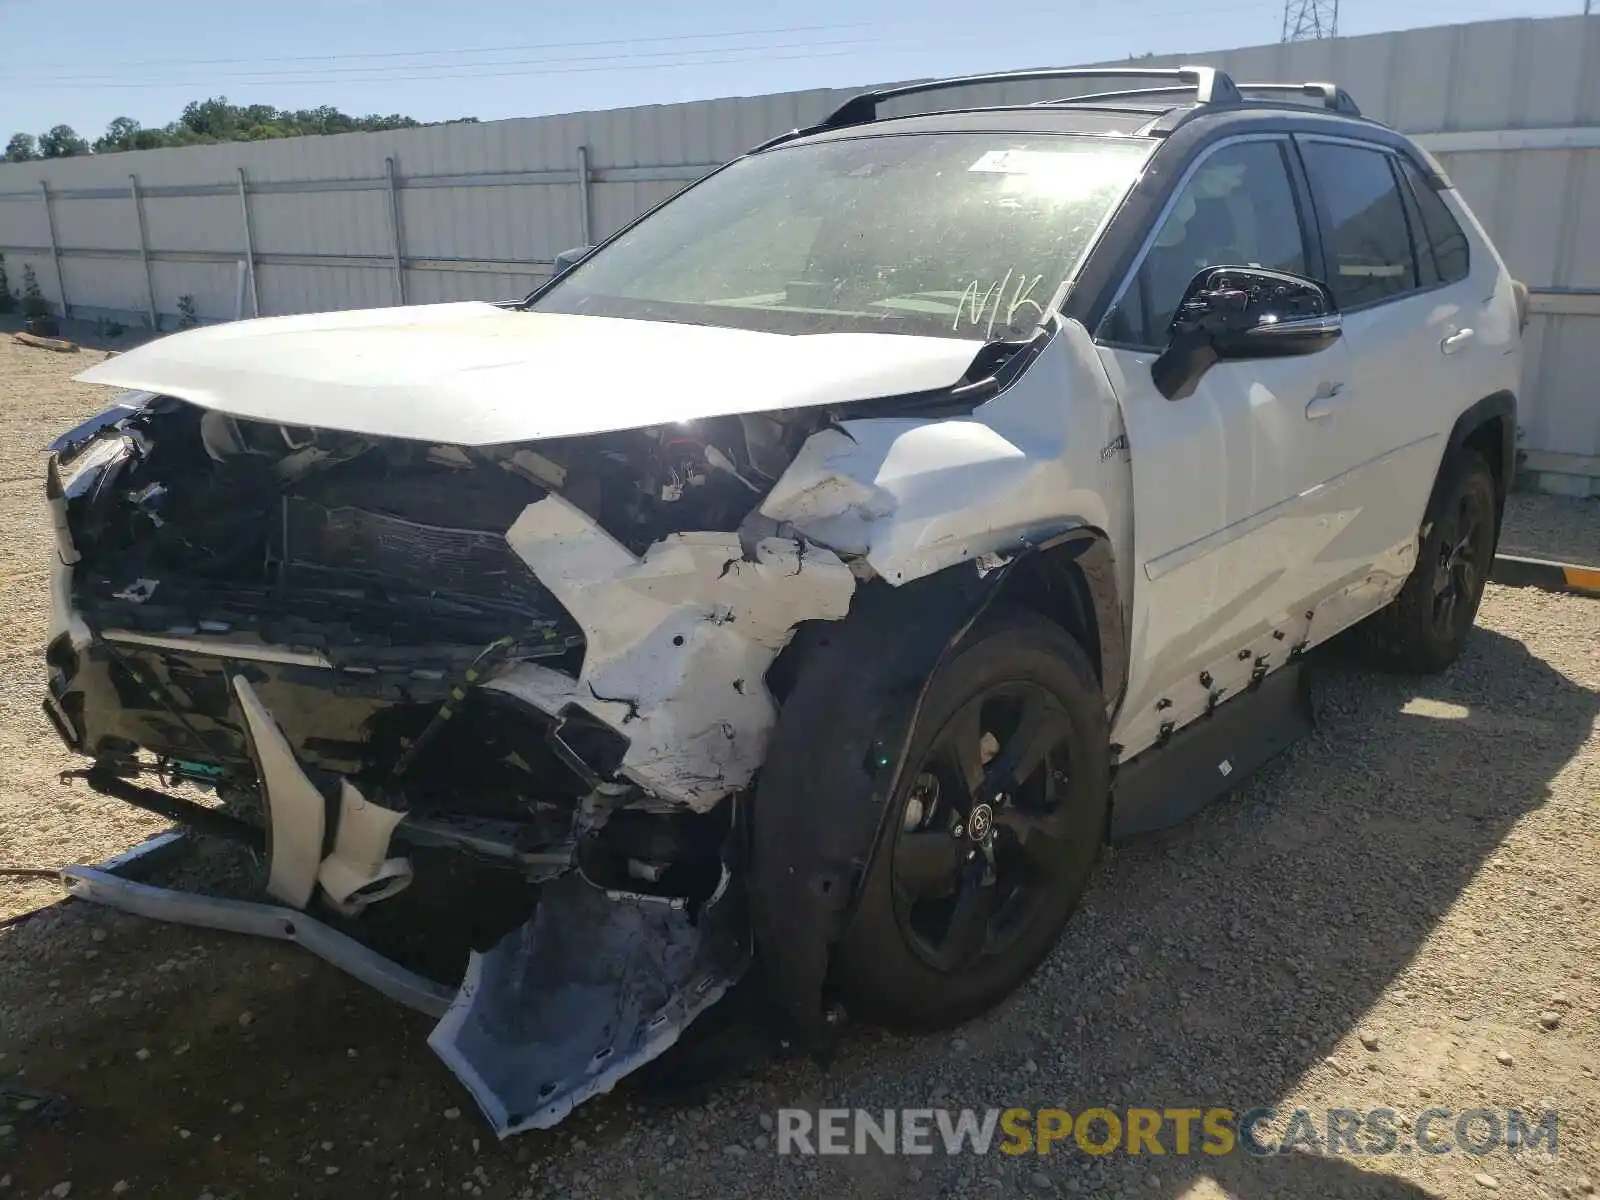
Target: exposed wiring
[[716, 458], [491, 654]]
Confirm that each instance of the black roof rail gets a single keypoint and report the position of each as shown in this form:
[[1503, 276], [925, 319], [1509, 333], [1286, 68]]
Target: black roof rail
[[1331, 95], [1210, 86]]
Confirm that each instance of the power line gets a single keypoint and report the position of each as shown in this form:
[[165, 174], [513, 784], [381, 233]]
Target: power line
[[34, 69], [420, 72], [468, 70], [585, 45], [541, 71], [1301, 19]]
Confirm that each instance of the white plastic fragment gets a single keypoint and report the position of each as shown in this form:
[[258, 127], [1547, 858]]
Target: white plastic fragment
[[678, 641]]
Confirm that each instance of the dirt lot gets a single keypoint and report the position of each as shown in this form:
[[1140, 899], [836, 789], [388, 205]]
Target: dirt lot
[[1380, 919]]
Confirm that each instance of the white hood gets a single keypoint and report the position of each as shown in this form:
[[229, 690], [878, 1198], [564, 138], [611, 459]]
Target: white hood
[[472, 374]]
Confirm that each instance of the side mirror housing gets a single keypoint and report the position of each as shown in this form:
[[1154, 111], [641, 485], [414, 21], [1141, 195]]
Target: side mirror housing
[[568, 259], [1238, 313]]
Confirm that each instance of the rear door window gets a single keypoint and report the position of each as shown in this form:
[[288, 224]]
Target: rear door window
[[1365, 234], [1441, 238]]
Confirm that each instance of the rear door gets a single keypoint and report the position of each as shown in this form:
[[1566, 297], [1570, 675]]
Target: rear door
[[1408, 307], [1227, 544]]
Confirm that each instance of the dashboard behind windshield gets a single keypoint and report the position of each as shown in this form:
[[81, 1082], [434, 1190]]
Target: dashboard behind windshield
[[964, 235]]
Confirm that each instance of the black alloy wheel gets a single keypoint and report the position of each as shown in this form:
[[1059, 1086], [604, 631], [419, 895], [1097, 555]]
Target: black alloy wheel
[[993, 832]]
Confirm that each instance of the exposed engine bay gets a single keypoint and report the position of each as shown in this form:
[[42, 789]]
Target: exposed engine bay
[[383, 561], [381, 655]]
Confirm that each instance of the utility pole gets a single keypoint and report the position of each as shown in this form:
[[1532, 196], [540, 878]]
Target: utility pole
[[1307, 20]]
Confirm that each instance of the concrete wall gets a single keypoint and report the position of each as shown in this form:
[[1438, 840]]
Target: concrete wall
[[1511, 108]]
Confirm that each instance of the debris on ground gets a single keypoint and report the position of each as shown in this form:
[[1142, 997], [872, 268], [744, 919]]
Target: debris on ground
[[60, 345]]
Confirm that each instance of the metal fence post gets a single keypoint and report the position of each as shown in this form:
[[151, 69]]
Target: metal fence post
[[585, 200], [249, 246], [144, 251], [55, 247], [396, 249]]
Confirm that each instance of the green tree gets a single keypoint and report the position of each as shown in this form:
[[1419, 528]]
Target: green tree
[[120, 134], [205, 122], [21, 148], [62, 141], [214, 118]]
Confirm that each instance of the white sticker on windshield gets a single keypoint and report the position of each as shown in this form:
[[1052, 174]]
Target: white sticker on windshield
[[1009, 162]]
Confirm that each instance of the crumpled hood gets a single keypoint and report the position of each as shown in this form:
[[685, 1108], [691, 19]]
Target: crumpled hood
[[474, 374]]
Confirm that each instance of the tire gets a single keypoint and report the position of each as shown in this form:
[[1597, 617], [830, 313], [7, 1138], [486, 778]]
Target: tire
[[1424, 628], [1015, 676]]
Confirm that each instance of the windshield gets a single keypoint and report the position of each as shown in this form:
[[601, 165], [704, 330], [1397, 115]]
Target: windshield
[[949, 234]]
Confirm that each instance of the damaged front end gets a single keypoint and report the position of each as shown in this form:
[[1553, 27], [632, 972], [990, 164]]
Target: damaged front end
[[530, 679]]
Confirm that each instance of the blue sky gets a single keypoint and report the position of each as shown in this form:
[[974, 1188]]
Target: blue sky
[[84, 62]]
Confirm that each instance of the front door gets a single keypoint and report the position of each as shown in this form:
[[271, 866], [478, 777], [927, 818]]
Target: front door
[[1231, 534]]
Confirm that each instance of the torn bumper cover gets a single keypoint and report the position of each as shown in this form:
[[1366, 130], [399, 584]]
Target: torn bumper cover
[[595, 986]]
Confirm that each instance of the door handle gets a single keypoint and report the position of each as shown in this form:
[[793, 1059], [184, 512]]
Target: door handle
[[1322, 404], [1456, 340]]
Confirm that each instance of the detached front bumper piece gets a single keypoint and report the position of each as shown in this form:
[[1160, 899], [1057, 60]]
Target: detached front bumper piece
[[594, 986], [99, 886]]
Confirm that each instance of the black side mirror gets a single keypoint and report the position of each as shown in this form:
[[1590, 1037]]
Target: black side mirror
[[1243, 313], [568, 259]]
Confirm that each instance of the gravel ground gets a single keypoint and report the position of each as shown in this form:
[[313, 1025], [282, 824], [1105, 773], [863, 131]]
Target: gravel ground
[[1379, 919], [1554, 527]]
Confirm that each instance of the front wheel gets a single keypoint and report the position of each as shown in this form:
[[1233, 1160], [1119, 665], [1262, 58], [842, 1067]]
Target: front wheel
[[1424, 628], [992, 835]]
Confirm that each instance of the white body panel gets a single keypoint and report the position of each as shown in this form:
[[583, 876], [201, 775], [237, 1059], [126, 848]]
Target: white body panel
[[1282, 501], [472, 374], [1243, 523], [1419, 361], [914, 495]]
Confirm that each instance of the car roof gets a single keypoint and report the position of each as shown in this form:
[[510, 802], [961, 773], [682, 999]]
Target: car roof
[[1094, 120]]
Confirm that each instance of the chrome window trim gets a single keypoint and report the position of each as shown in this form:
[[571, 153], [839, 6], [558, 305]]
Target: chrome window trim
[[1295, 327]]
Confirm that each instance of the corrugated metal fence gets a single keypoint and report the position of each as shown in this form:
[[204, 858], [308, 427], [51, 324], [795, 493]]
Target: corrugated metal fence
[[1511, 108]]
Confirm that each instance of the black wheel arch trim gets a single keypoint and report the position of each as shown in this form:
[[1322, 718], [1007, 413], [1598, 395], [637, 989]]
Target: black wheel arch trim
[[1082, 560], [844, 734], [1496, 412]]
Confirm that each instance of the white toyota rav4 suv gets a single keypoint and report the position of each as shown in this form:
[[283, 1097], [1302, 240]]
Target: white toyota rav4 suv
[[814, 575]]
